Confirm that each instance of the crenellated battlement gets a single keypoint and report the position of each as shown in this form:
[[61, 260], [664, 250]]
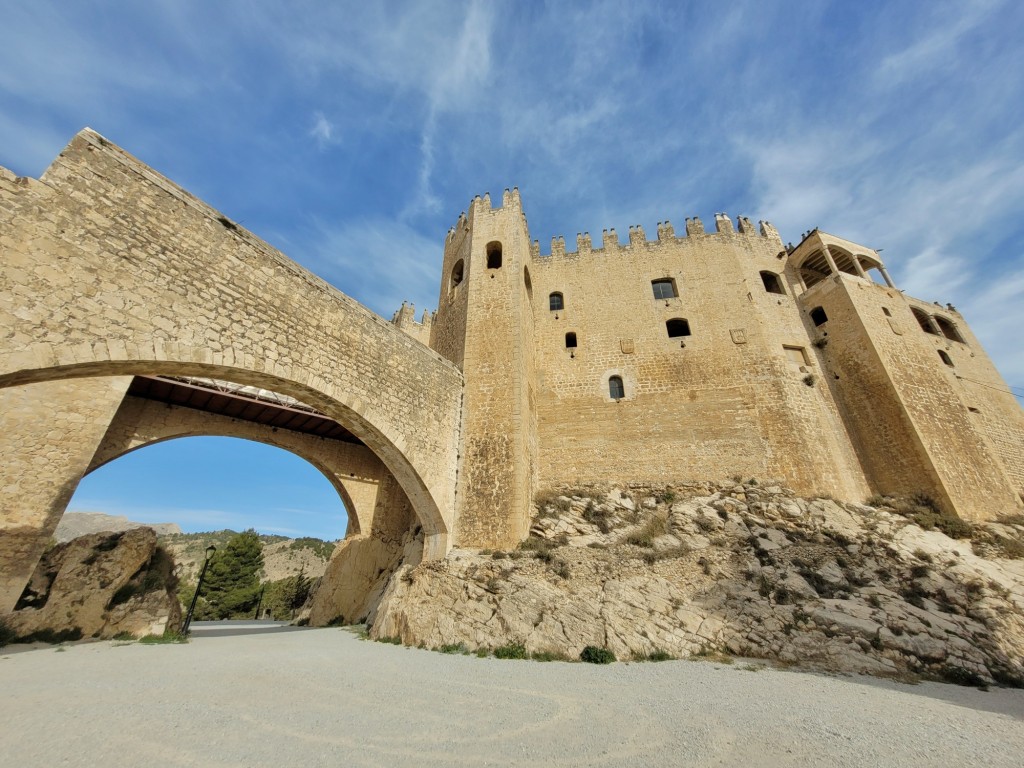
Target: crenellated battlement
[[405, 320], [724, 225]]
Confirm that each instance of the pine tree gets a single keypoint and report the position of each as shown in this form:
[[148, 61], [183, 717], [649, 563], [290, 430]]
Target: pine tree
[[232, 584]]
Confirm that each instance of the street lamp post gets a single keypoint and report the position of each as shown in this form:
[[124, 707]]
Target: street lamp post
[[192, 607]]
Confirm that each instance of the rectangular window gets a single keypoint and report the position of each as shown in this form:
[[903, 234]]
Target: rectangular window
[[664, 288]]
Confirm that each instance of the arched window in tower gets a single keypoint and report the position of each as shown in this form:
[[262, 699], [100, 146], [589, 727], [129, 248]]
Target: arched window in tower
[[665, 288], [677, 327], [772, 284], [556, 302], [948, 329], [493, 255], [570, 340], [818, 316], [924, 321], [457, 273], [616, 390], [946, 358]]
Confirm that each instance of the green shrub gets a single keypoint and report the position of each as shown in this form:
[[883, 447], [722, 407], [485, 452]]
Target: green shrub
[[165, 639], [922, 510], [550, 500], [599, 516], [390, 640], [454, 648], [594, 655], [920, 571], [549, 656], [322, 549], [541, 548], [645, 536], [511, 651]]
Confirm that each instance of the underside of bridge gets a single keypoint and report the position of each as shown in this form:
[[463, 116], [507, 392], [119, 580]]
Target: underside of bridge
[[236, 401]]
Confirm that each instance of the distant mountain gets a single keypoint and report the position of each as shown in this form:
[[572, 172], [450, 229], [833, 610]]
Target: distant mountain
[[282, 557], [75, 524]]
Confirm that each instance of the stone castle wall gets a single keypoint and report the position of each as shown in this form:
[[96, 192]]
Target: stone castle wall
[[754, 384]]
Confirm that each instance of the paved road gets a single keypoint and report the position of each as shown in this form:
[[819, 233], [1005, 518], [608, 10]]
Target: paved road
[[239, 697]]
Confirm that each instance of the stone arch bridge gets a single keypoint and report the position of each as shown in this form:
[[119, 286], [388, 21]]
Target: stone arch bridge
[[111, 275]]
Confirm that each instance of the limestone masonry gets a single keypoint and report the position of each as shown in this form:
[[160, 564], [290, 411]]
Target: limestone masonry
[[685, 358]]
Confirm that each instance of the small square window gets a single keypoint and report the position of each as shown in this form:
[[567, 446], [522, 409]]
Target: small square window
[[664, 288]]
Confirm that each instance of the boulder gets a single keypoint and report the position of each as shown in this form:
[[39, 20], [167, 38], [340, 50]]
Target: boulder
[[100, 585]]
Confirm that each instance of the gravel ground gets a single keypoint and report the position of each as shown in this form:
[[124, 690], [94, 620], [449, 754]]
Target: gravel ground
[[238, 696]]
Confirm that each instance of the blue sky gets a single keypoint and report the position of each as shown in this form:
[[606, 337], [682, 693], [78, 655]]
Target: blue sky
[[351, 135]]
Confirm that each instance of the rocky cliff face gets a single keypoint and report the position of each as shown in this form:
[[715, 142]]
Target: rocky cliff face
[[98, 586], [739, 569]]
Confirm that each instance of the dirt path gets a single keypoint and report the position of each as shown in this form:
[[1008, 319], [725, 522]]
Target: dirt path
[[232, 697]]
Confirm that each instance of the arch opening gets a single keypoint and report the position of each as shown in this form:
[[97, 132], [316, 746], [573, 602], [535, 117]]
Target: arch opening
[[771, 283], [924, 320], [458, 273], [391, 456], [493, 251], [948, 329], [210, 482]]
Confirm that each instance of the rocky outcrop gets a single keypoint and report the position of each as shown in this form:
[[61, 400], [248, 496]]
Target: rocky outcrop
[[356, 577], [99, 586], [740, 569]]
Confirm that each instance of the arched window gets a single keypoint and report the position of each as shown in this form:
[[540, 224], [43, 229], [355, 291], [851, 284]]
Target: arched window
[[570, 340], [818, 316], [616, 390], [948, 329], [556, 302], [665, 288], [772, 284], [946, 358], [677, 327], [924, 321], [457, 273], [494, 255]]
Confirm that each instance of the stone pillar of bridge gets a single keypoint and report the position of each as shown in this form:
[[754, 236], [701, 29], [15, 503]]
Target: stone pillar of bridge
[[48, 434]]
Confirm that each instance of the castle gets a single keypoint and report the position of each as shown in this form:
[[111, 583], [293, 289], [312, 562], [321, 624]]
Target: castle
[[708, 355], [134, 312]]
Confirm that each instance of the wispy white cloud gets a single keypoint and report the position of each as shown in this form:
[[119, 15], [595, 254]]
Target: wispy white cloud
[[935, 50], [381, 261], [323, 131]]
